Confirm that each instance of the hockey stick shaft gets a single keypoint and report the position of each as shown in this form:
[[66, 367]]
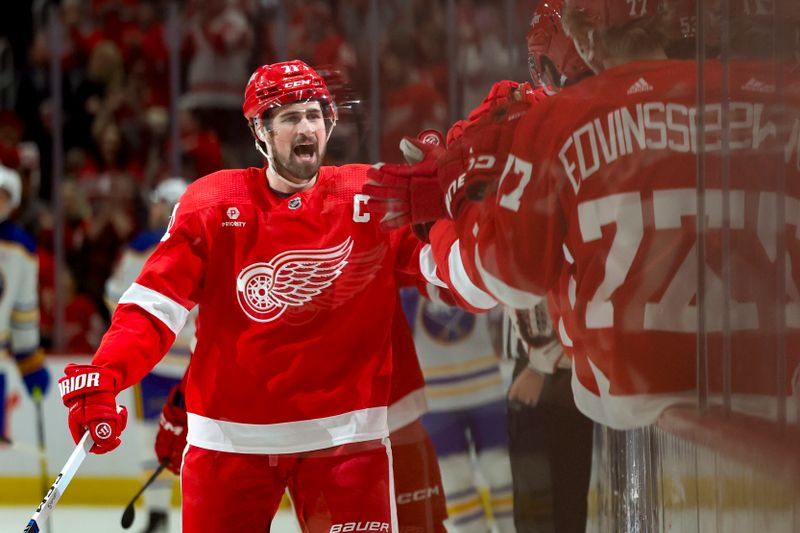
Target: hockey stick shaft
[[128, 514], [60, 484], [149, 482], [43, 475]]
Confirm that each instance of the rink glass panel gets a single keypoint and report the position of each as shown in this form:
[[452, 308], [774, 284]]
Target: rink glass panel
[[687, 476]]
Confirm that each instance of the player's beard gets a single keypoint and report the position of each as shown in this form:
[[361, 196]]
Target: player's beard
[[302, 162]]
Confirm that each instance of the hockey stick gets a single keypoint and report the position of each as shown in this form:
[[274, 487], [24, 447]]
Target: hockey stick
[[60, 484], [128, 514], [43, 477]]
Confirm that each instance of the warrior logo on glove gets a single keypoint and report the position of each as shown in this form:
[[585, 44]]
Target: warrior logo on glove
[[103, 431], [431, 137], [74, 383]]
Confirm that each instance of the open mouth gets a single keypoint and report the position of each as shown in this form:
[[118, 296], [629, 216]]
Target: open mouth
[[305, 152]]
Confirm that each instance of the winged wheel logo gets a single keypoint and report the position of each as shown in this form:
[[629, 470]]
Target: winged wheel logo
[[290, 279]]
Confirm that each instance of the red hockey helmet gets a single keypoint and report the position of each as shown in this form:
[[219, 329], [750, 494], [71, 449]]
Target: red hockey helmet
[[602, 14], [285, 83], [548, 44]]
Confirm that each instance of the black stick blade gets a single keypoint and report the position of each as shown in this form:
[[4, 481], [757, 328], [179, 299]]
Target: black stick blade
[[127, 516]]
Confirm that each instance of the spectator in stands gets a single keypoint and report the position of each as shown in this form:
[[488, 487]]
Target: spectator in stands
[[116, 214], [220, 41], [102, 87], [484, 56], [200, 145], [410, 104], [75, 227]]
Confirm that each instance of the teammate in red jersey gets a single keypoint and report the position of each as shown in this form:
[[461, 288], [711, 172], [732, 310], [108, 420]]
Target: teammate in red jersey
[[296, 286], [605, 201]]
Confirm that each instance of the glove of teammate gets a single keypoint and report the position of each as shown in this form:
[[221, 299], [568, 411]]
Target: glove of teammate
[[89, 393], [171, 437], [408, 194], [501, 93], [474, 161]]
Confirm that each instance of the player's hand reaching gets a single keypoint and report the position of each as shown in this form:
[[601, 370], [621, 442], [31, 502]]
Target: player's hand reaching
[[474, 161], [502, 92], [89, 392], [171, 437], [410, 193]]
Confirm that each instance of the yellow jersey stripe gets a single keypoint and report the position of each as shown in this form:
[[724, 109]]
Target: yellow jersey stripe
[[460, 368], [439, 391]]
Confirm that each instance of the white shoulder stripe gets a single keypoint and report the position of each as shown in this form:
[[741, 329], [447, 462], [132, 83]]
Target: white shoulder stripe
[[427, 266], [505, 293], [463, 285], [171, 313]]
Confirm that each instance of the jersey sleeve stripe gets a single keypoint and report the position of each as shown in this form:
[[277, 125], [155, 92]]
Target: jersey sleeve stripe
[[22, 317], [562, 333], [461, 282], [505, 293], [171, 313], [427, 265]]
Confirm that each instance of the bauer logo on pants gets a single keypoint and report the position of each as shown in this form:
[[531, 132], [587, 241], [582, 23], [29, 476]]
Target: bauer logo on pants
[[359, 526], [292, 278]]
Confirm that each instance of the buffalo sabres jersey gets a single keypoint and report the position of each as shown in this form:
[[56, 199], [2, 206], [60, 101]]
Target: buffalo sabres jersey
[[296, 299], [19, 302], [127, 269], [457, 356]]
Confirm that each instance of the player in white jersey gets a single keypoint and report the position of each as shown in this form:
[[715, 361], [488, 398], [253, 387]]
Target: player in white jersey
[[466, 399], [151, 393], [19, 301]]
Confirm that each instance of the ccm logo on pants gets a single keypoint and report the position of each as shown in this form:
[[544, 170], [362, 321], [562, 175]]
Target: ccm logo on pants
[[417, 495], [359, 526]]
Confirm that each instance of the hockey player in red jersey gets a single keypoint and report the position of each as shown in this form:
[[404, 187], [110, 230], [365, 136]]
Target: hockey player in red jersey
[[418, 488], [605, 201], [296, 286]]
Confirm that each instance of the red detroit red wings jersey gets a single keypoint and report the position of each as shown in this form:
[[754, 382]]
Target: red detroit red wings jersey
[[296, 301], [598, 203]]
